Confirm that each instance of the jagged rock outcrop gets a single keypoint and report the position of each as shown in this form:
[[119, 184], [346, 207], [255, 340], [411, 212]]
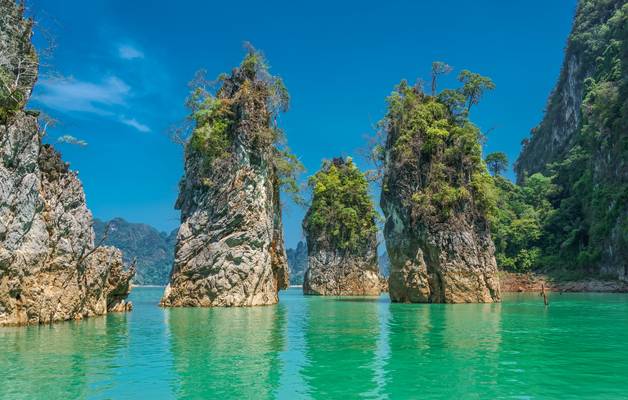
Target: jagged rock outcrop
[[335, 273], [558, 132], [230, 249], [437, 234], [582, 143], [153, 251], [341, 234], [50, 269], [297, 262]]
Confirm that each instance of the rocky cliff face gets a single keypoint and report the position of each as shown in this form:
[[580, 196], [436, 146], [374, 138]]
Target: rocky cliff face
[[49, 268], [334, 273], [230, 249], [384, 265], [558, 131], [582, 142], [297, 262], [433, 198], [341, 234], [153, 251]]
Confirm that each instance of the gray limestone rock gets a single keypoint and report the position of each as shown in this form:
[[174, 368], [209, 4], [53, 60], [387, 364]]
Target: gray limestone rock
[[50, 269], [230, 249]]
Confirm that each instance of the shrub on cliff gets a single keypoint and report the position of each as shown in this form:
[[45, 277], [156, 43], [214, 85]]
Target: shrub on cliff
[[18, 60], [341, 211], [215, 116], [518, 220], [437, 149], [588, 231]]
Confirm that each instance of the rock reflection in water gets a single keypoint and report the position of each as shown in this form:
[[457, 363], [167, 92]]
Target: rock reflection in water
[[442, 349], [71, 360], [226, 352], [341, 338]]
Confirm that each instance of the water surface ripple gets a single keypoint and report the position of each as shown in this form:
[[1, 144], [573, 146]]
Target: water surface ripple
[[326, 348]]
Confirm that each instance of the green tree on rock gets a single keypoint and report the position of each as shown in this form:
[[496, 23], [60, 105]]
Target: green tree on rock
[[474, 86], [431, 139], [497, 162], [439, 68], [341, 211], [212, 124], [517, 222]]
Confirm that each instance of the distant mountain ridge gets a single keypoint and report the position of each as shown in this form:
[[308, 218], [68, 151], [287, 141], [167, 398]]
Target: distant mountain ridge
[[297, 263], [153, 250]]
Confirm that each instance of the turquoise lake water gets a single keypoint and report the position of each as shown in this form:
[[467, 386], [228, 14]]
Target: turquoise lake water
[[325, 348]]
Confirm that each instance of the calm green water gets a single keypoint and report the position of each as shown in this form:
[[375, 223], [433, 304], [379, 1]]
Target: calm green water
[[323, 348]]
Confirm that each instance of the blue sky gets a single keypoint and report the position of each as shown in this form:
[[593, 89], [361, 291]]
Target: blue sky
[[117, 79]]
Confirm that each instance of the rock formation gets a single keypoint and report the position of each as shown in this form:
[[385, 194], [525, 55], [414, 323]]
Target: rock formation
[[341, 234], [582, 143], [384, 264], [558, 132], [153, 251], [230, 249], [297, 262], [50, 269], [434, 200]]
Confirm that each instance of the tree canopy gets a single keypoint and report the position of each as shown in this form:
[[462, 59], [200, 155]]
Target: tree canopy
[[497, 162], [474, 86], [215, 113], [438, 149], [439, 68], [342, 212]]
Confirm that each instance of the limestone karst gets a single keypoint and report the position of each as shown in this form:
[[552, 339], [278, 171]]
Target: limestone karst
[[581, 147], [230, 247], [50, 269], [297, 261], [434, 198], [341, 233]]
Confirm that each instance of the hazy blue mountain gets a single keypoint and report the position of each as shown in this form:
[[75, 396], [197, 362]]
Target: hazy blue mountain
[[297, 262], [153, 250]]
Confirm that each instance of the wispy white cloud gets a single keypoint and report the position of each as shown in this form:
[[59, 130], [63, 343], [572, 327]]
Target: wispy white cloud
[[110, 90], [105, 98], [69, 139], [135, 124], [69, 94], [128, 52]]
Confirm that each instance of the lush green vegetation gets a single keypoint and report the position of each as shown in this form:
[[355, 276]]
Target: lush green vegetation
[[341, 211], [438, 149], [518, 221], [216, 118], [567, 222], [18, 63], [10, 100], [497, 162], [589, 203]]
